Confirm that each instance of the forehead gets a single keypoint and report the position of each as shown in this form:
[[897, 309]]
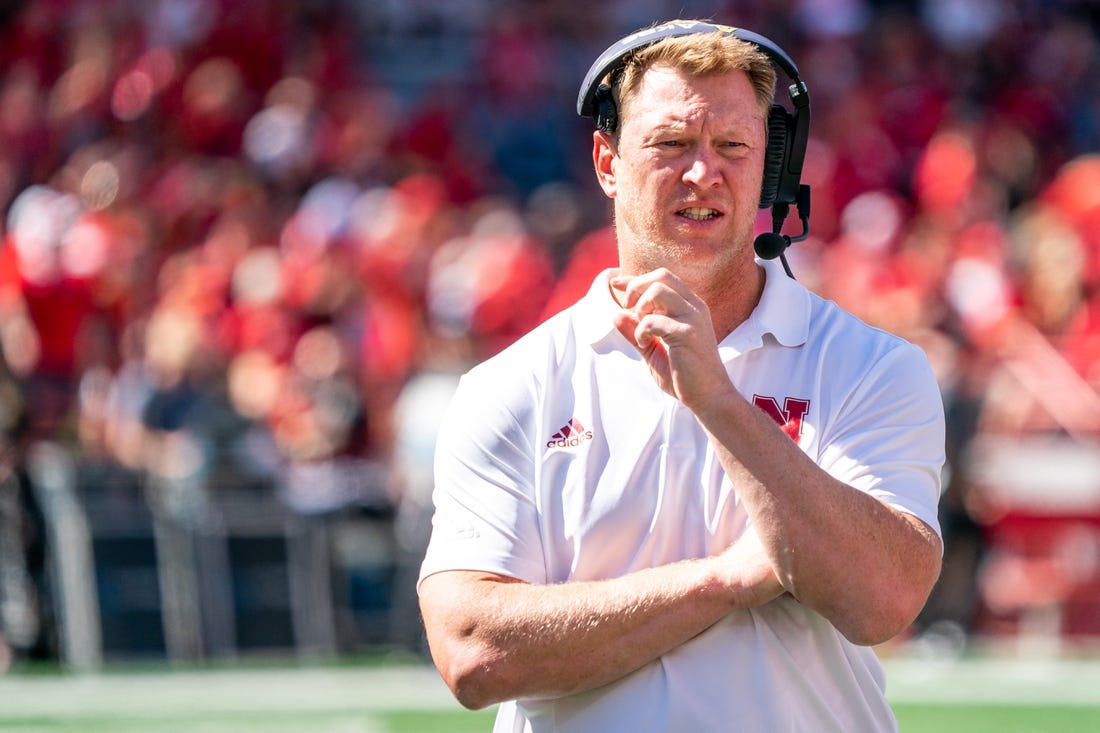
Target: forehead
[[671, 94]]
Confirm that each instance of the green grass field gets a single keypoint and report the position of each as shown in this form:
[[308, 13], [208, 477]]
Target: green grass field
[[971, 696], [1002, 695]]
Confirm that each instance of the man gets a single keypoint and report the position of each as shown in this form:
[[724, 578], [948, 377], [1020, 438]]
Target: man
[[625, 538]]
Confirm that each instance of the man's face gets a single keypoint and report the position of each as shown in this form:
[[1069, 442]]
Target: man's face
[[686, 172]]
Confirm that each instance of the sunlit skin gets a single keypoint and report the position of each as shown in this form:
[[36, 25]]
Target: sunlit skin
[[685, 177]]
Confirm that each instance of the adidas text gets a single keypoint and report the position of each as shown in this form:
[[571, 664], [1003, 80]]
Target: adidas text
[[570, 442]]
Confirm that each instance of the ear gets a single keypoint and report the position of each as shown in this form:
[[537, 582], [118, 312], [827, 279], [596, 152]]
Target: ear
[[604, 157]]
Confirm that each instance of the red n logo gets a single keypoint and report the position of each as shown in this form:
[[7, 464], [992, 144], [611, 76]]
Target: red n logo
[[789, 417]]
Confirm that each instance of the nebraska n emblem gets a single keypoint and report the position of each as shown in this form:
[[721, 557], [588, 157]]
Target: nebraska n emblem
[[789, 417]]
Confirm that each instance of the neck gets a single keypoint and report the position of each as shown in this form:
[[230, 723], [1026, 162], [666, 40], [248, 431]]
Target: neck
[[731, 298], [730, 294]]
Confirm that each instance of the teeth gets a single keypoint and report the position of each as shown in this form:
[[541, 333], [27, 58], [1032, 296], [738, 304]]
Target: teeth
[[699, 214]]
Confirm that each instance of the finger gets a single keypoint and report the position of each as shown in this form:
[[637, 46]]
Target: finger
[[643, 332], [626, 323], [633, 287], [659, 326], [660, 299]]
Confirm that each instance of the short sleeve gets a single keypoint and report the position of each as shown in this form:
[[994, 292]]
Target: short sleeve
[[485, 514], [889, 438]]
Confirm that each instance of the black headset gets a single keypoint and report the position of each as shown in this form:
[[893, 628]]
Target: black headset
[[788, 131]]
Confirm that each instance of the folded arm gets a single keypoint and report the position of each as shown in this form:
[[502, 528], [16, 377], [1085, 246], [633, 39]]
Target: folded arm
[[865, 566], [495, 638]]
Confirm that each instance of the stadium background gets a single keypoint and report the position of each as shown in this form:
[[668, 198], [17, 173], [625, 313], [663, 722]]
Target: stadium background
[[248, 246]]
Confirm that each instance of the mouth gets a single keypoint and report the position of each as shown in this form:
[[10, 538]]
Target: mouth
[[699, 213]]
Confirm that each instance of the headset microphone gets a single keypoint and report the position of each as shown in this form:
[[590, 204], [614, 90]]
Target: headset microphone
[[770, 245]]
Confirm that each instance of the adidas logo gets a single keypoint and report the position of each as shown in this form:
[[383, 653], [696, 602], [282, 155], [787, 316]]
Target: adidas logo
[[570, 435]]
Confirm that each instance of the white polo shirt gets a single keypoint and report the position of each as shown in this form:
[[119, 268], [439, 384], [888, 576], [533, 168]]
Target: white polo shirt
[[560, 459]]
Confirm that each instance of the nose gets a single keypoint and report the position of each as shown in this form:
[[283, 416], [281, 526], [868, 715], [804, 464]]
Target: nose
[[702, 172]]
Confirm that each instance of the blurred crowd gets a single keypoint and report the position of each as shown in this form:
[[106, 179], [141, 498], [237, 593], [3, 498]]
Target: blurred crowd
[[246, 246]]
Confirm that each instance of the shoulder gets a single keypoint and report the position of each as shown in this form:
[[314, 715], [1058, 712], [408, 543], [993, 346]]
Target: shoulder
[[836, 328], [510, 387], [523, 359], [551, 349], [865, 362]]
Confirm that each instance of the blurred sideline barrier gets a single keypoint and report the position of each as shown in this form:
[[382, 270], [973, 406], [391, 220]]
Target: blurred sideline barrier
[[229, 573]]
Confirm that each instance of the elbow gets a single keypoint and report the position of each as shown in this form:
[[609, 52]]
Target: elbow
[[868, 619], [889, 599], [890, 613], [470, 664], [474, 677], [876, 627], [470, 688]]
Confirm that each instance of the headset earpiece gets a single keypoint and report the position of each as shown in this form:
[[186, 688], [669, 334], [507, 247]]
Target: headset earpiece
[[775, 155], [606, 114]]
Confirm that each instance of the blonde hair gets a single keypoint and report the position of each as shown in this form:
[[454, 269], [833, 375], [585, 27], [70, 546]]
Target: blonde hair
[[698, 54]]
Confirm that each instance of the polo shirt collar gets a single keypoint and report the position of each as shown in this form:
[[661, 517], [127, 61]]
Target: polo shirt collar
[[783, 312], [596, 311]]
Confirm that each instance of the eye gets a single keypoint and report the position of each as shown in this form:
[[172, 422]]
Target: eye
[[734, 149]]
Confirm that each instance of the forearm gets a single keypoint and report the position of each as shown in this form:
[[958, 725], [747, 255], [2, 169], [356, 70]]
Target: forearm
[[496, 639], [865, 566]]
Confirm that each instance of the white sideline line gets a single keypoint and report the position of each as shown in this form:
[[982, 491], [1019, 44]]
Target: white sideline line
[[1012, 681], [227, 691]]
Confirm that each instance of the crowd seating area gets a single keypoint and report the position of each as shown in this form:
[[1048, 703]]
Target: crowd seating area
[[247, 246]]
